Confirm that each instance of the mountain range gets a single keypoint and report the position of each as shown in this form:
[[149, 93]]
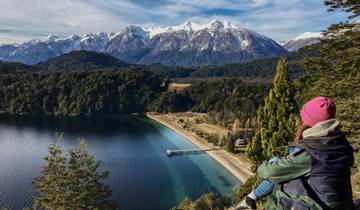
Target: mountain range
[[188, 44], [80, 61]]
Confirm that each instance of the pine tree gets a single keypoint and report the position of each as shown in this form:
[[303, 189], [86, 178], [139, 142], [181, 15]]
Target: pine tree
[[230, 147], [72, 182], [52, 181], [277, 118], [351, 6]]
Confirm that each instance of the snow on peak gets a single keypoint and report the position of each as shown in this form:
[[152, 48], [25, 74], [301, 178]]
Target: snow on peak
[[135, 31], [99, 35], [308, 35], [157, 30], [30, 42], [51, 38], [215, 24], [73, 37], [192, 27], [218, 25]]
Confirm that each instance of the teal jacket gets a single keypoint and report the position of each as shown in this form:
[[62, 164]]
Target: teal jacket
[[282, 171]]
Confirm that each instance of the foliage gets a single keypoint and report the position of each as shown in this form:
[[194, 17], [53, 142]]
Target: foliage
[[72, 181], [351, 6], [259, 68], [209, 201], [213, 138], [230, 147], [263, 68], [277, 119], [6, 67], [224, 99], [228, 99], [246, 188], [205, 202], [169, 71], [335, 73], [74, 93], [170, 101]]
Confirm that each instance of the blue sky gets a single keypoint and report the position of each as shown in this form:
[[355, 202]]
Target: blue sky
[[22, 20]]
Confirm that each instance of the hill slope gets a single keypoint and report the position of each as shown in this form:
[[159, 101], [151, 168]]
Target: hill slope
[[13, 66], [80, 61]]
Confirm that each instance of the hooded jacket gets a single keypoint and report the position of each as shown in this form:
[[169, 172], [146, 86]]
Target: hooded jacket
[[318, 176]]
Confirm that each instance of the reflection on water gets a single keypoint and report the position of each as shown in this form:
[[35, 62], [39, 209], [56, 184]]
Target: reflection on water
[[131, 148]]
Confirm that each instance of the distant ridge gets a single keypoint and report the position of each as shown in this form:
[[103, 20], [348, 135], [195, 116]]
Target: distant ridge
[[80, 61], [14, 66]]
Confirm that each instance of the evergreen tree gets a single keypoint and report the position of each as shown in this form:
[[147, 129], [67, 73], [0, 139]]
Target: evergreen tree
[[230, 147], [352, 6], [277, 118], [51, 184], [72, 182]]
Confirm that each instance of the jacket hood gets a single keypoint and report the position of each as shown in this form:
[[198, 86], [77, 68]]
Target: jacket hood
[[325, 128]]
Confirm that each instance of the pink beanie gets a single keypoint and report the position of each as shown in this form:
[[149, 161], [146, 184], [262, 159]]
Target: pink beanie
[[317, 110]]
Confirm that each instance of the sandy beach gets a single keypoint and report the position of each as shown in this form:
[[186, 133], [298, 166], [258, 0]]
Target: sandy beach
[[233, 163]]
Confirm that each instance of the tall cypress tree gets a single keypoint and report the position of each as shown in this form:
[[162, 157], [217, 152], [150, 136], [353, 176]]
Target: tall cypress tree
[[277, 118], [230, 147]]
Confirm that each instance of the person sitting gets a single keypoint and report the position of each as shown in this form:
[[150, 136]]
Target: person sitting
[[315, 173]]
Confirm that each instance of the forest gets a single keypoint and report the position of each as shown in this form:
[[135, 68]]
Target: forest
[[224, 99], [260, 68], [74, 93], [121, 92]]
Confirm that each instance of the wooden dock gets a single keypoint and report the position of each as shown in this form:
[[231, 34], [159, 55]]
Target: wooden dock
[[188, 151]]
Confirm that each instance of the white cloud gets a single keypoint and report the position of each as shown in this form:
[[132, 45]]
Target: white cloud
[[25, 19]]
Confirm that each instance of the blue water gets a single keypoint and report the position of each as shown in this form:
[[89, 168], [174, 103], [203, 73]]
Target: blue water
[[132, 148]]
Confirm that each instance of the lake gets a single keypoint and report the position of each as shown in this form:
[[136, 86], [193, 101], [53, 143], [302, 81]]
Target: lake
[[132, 148]]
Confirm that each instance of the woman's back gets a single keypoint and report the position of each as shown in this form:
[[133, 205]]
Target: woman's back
[[331, 161]]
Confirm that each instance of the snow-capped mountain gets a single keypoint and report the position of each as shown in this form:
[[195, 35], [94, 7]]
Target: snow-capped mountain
[[188, 44], [303, 40], [94, 42], [34, 51]]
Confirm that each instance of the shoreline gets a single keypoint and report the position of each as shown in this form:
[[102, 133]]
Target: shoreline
[[238, 168]]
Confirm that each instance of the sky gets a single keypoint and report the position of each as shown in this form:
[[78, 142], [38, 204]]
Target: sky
[[22, 20]]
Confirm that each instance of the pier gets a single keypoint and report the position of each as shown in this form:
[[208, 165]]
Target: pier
[[188, 151]]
